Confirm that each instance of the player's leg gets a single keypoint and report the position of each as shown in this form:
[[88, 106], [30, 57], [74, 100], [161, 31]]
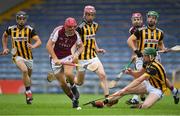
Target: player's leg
[[135, 98], [80, 76], [154, 95], [174, 91], [151, 99], [140, 89], [20, 62], [62, 81], [68, 71], [102, 76]]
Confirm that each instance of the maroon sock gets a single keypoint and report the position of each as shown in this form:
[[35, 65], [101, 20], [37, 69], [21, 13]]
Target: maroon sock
[[171, 88]]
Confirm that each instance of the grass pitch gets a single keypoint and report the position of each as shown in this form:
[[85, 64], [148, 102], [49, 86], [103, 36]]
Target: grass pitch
[[59, 104]]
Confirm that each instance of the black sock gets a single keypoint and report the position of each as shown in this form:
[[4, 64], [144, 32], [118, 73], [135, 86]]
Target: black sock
[[28, 88], [105, 101]]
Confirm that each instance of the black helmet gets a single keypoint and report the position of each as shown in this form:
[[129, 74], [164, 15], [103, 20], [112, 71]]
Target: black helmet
[[21, 14]]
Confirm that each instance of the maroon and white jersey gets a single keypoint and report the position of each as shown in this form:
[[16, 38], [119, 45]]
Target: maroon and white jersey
[[133, 29], [63, 43]]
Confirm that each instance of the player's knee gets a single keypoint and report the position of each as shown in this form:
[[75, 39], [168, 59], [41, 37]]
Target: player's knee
[[79, 83], [69, 75], [24, 71], [102, 76]]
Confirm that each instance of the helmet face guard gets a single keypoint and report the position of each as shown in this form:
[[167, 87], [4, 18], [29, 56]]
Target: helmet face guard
[[21, 18]]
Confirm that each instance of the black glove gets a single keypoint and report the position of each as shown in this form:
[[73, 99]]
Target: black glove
[[138, 53]]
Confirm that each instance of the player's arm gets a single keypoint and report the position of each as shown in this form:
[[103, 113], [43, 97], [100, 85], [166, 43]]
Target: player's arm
[[161, 45], [132, 42], [5, 42], [50, 47], [77, 49], [134, 73], [36, 38], [99, 50]]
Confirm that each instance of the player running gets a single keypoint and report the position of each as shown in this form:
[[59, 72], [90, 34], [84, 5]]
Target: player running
[[59, 45], [21, 37], [87, 30]]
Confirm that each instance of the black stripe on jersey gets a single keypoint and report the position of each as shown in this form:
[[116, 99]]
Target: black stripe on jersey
[[164, 74], [16, 44], [152, 37], [159, 70], [94, 26], [28, 55], [22, 50], [156, 39], [86, 47], [146, 36], [91, 49], [152, 82]]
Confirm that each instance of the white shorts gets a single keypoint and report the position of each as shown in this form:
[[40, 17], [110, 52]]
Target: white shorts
[[83, 62], [57, 68], [28, 63], [152, 89]]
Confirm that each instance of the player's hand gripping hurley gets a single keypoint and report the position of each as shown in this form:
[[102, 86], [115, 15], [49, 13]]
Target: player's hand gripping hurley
[[113, 83]]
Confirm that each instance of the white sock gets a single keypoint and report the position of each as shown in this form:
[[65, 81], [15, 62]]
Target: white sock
[[136, 97], [174, 91]]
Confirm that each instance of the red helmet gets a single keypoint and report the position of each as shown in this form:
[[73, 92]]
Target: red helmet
[[137, 14], [89, 9], [70, 22]]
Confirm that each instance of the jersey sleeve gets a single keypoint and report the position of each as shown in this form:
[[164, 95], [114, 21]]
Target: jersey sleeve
[[79, 30], [33, 33], [79, 41], [8, 31], [162, 36], [54, 35]]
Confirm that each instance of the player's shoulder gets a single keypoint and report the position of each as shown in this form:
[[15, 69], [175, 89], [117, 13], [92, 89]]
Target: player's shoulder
[[29, 27], [94, 22], [12, 26], [142, 28], [58, 28], [82, 24], [159, 29]]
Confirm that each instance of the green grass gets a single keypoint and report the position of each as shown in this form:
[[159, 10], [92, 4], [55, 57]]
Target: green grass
[[59, 104]]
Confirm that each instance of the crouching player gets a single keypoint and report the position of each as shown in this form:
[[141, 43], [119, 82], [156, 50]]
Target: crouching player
[[59, 45], [154, 87]]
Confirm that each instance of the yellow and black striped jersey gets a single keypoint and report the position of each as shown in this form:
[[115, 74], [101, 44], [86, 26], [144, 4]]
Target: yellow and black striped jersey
[[157, 75], [87, 33], [20, 38], [148, 37]]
